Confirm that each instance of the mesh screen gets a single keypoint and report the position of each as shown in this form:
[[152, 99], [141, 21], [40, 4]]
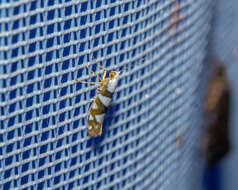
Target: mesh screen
[[150, 131]]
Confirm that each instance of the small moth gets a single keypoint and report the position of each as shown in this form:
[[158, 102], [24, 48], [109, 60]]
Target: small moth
[[215, 142], [101, 102]]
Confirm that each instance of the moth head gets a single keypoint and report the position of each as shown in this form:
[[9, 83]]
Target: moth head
[[114, 74], [220, 70]]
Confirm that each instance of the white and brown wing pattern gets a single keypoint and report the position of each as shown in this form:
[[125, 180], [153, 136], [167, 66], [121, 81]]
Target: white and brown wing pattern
[[101, 103], [98, 110]]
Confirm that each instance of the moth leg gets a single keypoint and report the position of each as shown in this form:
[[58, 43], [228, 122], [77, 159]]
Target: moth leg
[[94, 73], [88, 82], [104, 75]]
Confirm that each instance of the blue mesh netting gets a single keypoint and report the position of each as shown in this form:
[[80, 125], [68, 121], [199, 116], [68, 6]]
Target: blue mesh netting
[[150, 132]]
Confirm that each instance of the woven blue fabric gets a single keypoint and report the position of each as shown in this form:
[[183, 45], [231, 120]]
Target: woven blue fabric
[[150, 132]]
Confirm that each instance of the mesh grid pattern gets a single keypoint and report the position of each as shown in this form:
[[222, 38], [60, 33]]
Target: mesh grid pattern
[[46, 45]]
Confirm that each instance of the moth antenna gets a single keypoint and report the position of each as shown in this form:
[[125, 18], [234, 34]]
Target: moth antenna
[[132, 65], [98, 64]]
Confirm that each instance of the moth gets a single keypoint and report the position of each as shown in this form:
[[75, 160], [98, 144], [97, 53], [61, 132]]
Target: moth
[[100, 103], [216, 141]]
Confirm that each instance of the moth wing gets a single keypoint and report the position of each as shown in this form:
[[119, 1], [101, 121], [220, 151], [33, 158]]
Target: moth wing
[[100, 128], [96, 131], [89, 107]]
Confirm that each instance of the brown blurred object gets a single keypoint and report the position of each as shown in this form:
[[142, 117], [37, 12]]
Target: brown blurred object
[[216, 141]]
